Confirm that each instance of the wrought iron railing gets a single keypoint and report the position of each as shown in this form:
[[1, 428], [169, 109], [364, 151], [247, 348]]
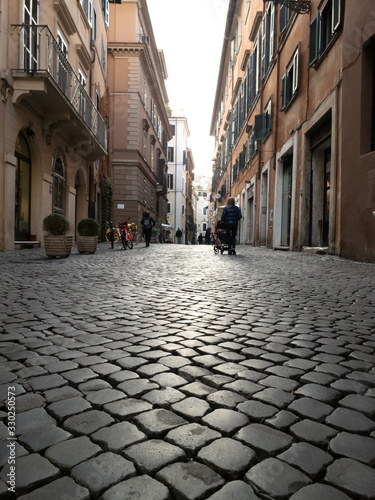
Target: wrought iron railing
[[39, 52]]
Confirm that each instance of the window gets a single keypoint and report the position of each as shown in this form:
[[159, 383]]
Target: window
[[242, 159], [145, 94], [253, 81], [104, 53], [171, 154], [268, 29], [105, 10], [82, 94], [247, 8], [87, 9], [58, 186], [204, 226], [30, 35], [183, 209], [253, 145], [289, 82], [263, 123], [323, 28], [169, 207], [285, 14], [94, 31], [235, 171], [204, 210], [170, 181], [62, 66]]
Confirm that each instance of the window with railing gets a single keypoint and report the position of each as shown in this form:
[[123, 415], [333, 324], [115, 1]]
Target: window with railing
[[30, 36]]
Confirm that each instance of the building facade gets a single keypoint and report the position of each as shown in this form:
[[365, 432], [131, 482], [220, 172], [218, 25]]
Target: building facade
[[139, 122], [180, 177], [278, 122], [52, 114], [203, 211]]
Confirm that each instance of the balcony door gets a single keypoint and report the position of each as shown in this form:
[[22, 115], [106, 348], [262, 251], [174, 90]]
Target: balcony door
[[30, 35]]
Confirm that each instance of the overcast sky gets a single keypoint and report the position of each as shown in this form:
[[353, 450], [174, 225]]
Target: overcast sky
[[191, 36]]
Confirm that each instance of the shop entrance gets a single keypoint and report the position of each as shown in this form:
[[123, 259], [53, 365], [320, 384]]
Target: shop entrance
[[22, 190]]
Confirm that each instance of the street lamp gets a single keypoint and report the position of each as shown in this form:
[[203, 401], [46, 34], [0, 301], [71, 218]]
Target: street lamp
[[299, 6]]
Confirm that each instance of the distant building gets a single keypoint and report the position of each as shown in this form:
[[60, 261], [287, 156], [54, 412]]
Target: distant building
[[180, 177], [53, 141], [139, 122], [203, 209]]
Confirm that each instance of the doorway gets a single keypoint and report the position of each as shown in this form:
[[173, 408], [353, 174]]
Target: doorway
[[320, 192], [286, 204], [263, 210], [22, 190]]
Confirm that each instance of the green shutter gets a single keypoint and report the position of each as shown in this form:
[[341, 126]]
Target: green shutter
[[283, 92], [314, 40]]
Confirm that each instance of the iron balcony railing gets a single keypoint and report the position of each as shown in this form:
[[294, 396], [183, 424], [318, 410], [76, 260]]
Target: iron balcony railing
[[39, 51]]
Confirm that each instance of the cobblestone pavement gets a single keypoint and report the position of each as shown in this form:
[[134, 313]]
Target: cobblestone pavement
[[170, 372]]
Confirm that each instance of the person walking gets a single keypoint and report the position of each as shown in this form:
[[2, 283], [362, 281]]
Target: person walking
[[147, 224], [231, 216], [200, 238], [207, 236], [179, 235]]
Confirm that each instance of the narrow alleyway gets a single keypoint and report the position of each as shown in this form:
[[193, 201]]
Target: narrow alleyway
[[170, 372]]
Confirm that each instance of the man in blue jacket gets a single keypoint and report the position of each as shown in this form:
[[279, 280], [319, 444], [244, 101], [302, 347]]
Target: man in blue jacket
[[231, 216]]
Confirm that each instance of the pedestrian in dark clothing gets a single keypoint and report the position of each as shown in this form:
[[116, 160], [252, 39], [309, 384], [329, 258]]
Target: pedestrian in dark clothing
[[231, 216], [200, 239], [147, 224], [208, 236], [179, 235]]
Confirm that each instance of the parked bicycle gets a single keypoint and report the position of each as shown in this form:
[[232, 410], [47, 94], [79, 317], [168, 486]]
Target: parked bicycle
[[126, 237], [136, 237], [112, 234]]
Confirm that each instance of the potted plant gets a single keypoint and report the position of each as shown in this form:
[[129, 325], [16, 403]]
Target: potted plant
[[87, 239], [57, 243]]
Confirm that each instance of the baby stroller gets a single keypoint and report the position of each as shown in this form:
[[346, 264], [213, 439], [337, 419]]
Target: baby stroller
[[220, 243]]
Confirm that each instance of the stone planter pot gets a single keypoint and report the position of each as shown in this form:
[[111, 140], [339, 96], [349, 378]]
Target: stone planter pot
[[87, 244], [58, 246]]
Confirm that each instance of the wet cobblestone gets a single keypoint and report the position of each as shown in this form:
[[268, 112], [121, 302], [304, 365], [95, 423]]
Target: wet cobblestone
[[177, 374]]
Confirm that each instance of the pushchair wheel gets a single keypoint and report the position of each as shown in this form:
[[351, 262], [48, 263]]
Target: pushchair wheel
[[221, 250], [216, 250]]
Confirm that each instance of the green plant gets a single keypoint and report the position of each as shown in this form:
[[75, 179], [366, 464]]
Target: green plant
[[56, 224], [88, 227]]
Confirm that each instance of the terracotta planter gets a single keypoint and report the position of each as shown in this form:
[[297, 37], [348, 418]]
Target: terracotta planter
[[87, 244], [58, 246]]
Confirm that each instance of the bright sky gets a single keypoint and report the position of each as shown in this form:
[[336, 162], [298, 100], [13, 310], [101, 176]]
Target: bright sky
[[191, 36]]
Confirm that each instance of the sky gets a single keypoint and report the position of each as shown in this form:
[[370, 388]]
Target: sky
[[191, 36]]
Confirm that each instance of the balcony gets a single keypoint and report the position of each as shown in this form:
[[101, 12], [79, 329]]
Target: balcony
[[47, 84]]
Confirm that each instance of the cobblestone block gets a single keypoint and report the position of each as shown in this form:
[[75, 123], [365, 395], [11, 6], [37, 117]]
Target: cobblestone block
[[276, 479], [158, 422], [265, 440], [346, 386], [101, 472], [87, 422], [154, 454], [168, 380], [118, 436], [256, 410], [226, 421], [191, 408], [313, 432], [319, 392], [306, 457], [126, 408], [104, 396], [235, 490], [69, 453], [68, 407], [63, 488], [152, 369], [225, 399], [61, 393], [360, 403], [192, 437], [192, 373], [197, 389], [122, 376], [244, 387], [190, 481], [31, 471], [284, 371], [175, 362], [228, 457], [94, 384], [281, 383], [105, 369], [307, 407], [353, 477], [79, 376], [137, 387], [282, 420], [350, 420], [332, 369], [32, 419], [275, 397], [31, 371], [28, 402], [131, 488], [252, 375], [319, 491], [349, 445], [41, 438], [164, 397], [45, 382]]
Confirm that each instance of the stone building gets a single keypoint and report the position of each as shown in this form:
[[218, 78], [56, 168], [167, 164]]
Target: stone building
[[180, 177], [139, 122], [284, 136], [52, 65]]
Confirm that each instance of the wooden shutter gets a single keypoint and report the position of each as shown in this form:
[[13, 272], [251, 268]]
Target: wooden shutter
[[314, 40]]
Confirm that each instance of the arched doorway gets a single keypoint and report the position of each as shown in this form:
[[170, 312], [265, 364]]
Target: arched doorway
[[22, 190]]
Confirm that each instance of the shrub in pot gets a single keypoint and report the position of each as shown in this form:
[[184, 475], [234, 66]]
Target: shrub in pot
[[87, 239], [57, 243]]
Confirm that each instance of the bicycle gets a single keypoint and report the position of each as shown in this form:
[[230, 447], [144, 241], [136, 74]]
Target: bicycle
[[112, 234], [132, 227], [126, 237]]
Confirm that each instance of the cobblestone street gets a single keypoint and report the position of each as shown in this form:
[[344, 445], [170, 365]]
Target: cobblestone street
[[170, 372]]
